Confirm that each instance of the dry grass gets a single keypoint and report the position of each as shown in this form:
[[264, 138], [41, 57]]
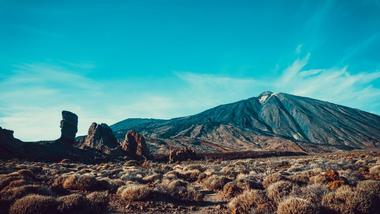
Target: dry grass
[[251, 201], [342, 182], [215, 182], [74, 203], [33, 204], [135, 192], [84, 183], [277, 191], [273, 178], [294, 205]]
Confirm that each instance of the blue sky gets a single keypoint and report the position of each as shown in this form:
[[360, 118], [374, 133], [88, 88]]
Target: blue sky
[[164, 59]]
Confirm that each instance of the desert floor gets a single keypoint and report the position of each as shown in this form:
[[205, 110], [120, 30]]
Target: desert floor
[[341, 182]]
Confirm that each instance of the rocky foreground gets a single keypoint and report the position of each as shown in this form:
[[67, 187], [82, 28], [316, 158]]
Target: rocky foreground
[[341, 182]]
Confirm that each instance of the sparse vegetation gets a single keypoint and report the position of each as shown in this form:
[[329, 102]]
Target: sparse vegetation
[[294, 205], [32, 204], [342, 182]]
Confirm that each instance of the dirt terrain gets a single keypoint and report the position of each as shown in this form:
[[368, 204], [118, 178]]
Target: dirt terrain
[[340, 182]]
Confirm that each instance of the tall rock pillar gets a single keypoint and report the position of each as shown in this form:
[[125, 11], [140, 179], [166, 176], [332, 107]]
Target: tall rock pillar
[[69, 126]]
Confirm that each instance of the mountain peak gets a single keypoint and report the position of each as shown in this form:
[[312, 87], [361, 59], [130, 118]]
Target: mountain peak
[[264, 96]]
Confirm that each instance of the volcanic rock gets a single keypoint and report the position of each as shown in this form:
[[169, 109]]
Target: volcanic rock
[[135, 145], [69, 126], [9, 146], [181, 154], [101, 137]]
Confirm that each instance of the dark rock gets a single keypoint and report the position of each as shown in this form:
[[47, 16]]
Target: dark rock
[[181, 154], [135, 145], [69, 126], [101, 137], [9, 146]]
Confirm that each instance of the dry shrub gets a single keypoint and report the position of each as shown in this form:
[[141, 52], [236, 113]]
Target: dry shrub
[[8, 196], [201, 177], [191, 175], [179, 190], [135, 192], [251, 201], [369, 186], [312, 193], [367, 197], [273, 178], [32, 204], [15, 183], [364, 202], [318, 179], [84, 183], [24, 175], [215, 182], [99, 201], [277, 191], [74, 203], [294, 205], [336, 184], [375, 170], [246, 182], [339, 201], [231, 189], [153, 178]]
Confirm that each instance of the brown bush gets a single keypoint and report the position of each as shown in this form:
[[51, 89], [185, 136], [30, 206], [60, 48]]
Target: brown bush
[[135, 192], [369, 186], [277, 191], [32, 204], [251, 201], [312, 193], [366, 202], [294, 205], [231, 189], [375, 170], [74, 203], [339, 201], [84, 183], [179, 190], [8, 196], [273, 178], [215, 182], [99, 201]]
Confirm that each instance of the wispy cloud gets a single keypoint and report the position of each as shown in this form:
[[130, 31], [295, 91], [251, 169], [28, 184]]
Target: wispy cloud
[[34, 94], [336, 85]]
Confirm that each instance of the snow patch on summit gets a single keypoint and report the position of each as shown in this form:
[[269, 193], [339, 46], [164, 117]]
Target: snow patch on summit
[[263, 97]]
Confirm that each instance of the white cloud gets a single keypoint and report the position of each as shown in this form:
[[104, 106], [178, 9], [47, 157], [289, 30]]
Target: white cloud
[[335, 85], [34, 94]]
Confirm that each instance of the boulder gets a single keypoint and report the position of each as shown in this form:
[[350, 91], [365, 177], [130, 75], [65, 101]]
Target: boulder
[[69, 126], [101, 137], [135, 146], [181, 154]]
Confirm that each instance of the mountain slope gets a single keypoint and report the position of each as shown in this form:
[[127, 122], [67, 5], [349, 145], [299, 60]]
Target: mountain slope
[[269, 121]]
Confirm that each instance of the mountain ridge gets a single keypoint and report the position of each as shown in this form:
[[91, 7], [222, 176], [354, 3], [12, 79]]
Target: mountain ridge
[[281, 116]]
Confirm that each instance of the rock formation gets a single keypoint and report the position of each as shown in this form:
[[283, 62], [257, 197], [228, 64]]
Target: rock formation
[[69, 126], [181, 154], [101, 137], [135, 145], [9, 146]]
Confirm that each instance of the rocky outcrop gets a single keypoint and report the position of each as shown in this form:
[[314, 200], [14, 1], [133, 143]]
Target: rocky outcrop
[[69, 127], [101, 137], [135, 146], [181, 154], [9, 146]]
